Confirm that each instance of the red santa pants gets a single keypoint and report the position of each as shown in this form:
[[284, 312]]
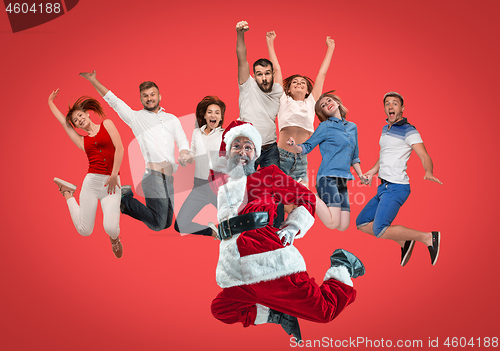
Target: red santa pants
[[296, 295]]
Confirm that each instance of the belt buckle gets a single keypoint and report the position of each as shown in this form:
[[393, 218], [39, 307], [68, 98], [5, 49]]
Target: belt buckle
[[223, 235]]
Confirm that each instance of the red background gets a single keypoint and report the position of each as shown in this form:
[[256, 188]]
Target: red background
[[61, 291]]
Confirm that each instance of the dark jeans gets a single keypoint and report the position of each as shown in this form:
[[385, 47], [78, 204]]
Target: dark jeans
[[200, 196], [271, 156], [158, 190]]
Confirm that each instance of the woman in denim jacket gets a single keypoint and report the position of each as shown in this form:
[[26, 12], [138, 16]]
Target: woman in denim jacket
[[338, 144]]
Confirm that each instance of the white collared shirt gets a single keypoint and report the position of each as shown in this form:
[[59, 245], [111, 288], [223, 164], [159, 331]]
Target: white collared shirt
[[203, 148], [155, 132]]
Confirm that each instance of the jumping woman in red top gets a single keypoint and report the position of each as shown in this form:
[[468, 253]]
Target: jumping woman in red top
[[104, 150]]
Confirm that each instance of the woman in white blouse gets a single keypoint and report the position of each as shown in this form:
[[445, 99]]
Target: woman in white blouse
[[205, 142]]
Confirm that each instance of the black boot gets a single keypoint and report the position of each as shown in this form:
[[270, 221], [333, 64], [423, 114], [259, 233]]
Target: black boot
[[344, 258], [289, 323]]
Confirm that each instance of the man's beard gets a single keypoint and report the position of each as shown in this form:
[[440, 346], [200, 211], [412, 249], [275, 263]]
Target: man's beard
[[151, 108], [268, 90], [236, 169]]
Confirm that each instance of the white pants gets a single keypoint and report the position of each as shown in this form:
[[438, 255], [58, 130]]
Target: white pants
[[83, 215]]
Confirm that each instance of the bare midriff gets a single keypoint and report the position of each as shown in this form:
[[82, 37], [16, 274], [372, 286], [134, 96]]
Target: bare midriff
[[163, 167], [297, 133]]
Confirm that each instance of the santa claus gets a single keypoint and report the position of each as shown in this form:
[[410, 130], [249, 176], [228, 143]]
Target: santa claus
[[262, 274]]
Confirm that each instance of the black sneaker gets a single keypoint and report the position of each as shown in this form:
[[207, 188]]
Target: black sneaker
[[434, 249], [341, 257], [289, 323], [406, 252], [125, 190]]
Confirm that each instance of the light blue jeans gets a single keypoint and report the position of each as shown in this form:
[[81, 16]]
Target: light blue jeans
[[294, 165]]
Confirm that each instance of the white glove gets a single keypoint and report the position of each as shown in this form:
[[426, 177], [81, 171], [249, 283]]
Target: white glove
[[287, 234]]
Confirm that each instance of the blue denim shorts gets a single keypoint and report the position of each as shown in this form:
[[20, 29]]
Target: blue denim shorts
[[333, 192], [383, 208], [294, 165]]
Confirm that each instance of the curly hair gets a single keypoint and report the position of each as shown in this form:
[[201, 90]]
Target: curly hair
[[321, 115], [84, 104], [202, 107]]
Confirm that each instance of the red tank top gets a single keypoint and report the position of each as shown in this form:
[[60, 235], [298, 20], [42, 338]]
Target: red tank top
[[100, 152]]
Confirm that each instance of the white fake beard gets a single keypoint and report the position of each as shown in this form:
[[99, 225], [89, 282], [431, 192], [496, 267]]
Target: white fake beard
[[236, 169]]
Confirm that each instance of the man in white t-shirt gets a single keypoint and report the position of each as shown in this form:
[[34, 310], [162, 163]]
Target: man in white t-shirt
[[155, 131], [259, 99], [398, 140]]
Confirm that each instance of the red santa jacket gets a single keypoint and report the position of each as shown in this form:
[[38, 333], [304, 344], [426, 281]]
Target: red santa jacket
[[258, 255]]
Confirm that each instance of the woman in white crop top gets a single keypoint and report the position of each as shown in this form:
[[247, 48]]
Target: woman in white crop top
[[205, 142], [296, 113]]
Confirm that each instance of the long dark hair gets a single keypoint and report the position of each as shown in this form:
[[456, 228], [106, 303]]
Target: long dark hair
[[201, 109]]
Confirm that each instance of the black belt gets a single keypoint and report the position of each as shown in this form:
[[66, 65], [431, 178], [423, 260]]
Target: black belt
[[239, 224], [267, 146]]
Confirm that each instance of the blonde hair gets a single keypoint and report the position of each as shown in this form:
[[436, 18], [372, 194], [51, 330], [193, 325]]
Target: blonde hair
[[321, 115]]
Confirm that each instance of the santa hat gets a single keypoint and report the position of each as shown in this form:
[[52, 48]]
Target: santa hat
[[237, 129]]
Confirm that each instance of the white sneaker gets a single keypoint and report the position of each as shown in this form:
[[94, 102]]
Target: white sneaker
[[65, 186]]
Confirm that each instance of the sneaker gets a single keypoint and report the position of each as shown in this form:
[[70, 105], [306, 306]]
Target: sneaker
[[117, 247], [125, 189], [406, 252], [65, 186], [289, 323], [434, 249]]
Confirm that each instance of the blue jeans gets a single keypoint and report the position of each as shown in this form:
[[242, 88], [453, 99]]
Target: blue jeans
[[294, 165], [200, 196], [333, 192], [269, 156], [158, 190], [383, 208]]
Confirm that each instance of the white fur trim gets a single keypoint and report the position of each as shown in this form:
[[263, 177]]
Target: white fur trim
[[301, 218], [219, 164], [228, 267], [246, 130], [233, 270], [262, 314], [230, 197], [339, 273]]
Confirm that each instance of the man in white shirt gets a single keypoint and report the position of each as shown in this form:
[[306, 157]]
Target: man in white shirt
[[156, 132], [259, 99], [398, 140]]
